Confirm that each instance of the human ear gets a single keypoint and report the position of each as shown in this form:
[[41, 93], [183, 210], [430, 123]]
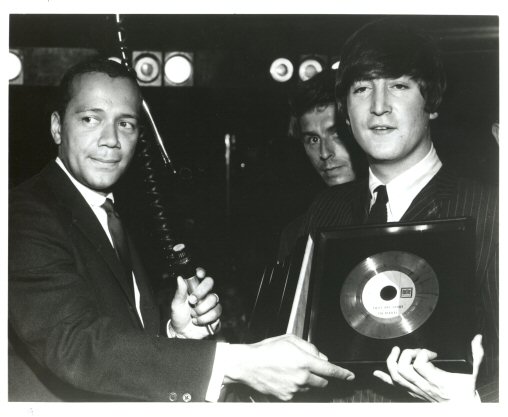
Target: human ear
[[56, 127]]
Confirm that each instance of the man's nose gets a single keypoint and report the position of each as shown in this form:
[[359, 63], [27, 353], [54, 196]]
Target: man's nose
[[109, 136], [380, 102], [326, 148]]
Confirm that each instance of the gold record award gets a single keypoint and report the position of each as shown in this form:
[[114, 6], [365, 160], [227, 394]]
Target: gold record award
[[389, 294]]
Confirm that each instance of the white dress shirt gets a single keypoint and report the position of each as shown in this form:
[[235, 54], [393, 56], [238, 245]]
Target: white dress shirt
[[95, 200], [403, 189]]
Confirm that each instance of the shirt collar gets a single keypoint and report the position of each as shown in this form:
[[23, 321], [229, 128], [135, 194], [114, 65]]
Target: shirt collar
[[405, 187], [93, 198]]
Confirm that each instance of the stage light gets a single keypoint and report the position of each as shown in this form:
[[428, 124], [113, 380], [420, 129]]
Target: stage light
[[147, 65], [179, 69], [308, 68], [281, 70], [44, 66], [15, 67]]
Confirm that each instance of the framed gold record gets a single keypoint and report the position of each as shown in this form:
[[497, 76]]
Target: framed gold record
[[409, 285], [389, 294]]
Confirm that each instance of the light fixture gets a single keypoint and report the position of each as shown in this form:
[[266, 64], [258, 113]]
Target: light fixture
[[15, 67], [281, 70], [43, 65], [178, 69], [308, 68], [147, 65]]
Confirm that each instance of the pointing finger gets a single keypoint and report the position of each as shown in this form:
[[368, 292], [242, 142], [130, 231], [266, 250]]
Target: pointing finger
[[316, 381], [326, 369]]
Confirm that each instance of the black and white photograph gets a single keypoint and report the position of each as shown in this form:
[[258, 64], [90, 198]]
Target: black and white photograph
[[238, 208]]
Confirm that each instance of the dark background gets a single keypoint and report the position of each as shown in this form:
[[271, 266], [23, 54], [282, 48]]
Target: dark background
[[233, 93]]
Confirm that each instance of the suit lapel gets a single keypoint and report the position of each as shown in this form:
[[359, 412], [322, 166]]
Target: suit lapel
[[148, 306], [86, 222], [431, 201], [360, 203]]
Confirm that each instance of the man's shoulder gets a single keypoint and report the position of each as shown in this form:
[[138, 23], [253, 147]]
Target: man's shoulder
[[459, 195], [339, 194], [30, 187], [38, 191], [474, 193], [463, 183], [475, 186], [338, 205], [327, 209]]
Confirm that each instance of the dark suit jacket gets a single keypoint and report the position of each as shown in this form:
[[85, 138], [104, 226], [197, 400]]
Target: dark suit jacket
[[74, 333], [445, 196]]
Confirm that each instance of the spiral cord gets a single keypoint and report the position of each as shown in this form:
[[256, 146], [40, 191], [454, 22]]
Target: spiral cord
[[158, 211]]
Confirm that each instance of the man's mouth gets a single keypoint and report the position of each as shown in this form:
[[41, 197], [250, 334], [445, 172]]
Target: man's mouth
[[381, 128], [329, 170], [106, 161]]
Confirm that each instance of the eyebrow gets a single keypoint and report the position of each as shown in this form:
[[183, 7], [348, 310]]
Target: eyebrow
[[129, 116], [84, 109], [99, 110], [308, 133]]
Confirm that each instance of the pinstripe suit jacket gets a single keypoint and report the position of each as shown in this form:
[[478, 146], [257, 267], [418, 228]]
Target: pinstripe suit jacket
[[445, 196]]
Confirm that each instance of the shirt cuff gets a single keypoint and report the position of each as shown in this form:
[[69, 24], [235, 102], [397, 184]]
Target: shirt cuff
[[172, 334], [218, 370], [477, 398], [190, 331]]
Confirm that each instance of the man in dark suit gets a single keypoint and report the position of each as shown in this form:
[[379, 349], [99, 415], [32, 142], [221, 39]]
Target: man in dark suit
[[83, 324], [390, 83]]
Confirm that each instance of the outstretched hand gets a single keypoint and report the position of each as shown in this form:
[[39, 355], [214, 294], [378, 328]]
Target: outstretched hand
[[281, 366], [413, 370]]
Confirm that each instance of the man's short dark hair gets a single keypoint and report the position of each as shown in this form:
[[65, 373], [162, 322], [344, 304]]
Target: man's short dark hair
[[93, 65], [314, 94], [388, 48]]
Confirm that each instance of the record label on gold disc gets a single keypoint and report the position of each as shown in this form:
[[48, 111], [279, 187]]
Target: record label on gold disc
[[389, 294]]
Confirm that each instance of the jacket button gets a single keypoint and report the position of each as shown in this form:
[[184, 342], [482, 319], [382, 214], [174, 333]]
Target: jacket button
[[187, 397], [172, 396]]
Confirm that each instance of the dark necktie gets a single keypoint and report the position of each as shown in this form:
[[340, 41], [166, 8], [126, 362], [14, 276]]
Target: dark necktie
[[378, 210], [119, 238]]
